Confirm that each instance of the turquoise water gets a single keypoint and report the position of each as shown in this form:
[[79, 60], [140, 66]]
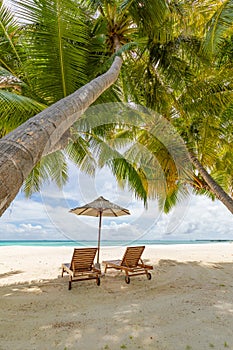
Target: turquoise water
[[103, 243]]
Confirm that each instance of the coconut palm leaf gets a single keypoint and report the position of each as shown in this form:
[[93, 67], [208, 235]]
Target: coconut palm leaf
[[56, 39], [53, 166], [80, 154], [219, 26], [11, 51], [16, 109], [126, 172], [133, 152]]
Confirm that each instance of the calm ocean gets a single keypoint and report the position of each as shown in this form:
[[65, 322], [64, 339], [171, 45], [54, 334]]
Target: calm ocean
[[67, 243]]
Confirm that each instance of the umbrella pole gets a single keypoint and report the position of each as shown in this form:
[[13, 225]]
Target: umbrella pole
[[98, 251]]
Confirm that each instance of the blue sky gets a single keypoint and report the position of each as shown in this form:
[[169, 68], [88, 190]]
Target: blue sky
[[46, 215]]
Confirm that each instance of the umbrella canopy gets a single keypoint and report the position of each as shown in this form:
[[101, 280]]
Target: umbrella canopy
[[100, 207]]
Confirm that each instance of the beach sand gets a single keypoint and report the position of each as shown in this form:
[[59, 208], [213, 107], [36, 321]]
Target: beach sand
[[187, 305]]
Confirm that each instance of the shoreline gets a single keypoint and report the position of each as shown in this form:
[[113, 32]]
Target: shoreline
[[106, 243]]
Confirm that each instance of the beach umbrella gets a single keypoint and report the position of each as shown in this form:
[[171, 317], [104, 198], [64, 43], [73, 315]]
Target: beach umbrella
[[100, 207]]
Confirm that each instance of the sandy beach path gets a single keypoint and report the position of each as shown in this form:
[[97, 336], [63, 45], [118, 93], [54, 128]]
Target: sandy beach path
[[188, 304]]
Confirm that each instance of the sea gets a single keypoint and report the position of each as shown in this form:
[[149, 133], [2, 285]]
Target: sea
[[104, 243]]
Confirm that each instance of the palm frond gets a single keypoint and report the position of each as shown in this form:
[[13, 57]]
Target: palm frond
[[56, 38], [11, 52], [79, 153], [148, 13], [219, 27], [16, 109], [51, 168]]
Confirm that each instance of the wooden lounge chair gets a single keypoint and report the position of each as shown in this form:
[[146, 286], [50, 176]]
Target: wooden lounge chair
[[82, 266], [131, 263]]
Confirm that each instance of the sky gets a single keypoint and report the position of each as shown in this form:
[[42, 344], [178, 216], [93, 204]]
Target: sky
[[46, 216]]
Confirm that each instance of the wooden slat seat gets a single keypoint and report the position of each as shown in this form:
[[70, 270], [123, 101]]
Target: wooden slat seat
[[82, 266], [131, 263]]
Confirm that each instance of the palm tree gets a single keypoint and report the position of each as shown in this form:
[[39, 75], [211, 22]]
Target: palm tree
[[43, 133], [195, 94], [23, 148]]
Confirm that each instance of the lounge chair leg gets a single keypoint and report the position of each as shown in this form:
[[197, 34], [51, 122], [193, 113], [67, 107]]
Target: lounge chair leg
[[70, 282], [127, 279]]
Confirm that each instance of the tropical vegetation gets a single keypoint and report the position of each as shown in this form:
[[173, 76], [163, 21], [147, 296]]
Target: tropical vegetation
[[174, 58]]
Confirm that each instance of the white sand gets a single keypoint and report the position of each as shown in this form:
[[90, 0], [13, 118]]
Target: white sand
[[188, 304]]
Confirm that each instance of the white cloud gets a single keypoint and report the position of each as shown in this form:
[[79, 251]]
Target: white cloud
[[47, 216], [29, 227], [205, 219]]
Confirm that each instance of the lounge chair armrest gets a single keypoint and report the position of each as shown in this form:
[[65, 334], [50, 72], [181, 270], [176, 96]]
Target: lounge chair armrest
[[146, 266], [95, 269]]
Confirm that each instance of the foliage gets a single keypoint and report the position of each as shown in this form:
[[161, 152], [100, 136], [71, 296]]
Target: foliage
[[177, 61]]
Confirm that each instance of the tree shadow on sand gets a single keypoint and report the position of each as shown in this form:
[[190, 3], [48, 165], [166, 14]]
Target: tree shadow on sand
[[186, 305], [10, 273]]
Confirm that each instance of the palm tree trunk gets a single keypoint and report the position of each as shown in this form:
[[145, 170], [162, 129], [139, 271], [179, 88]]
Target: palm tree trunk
[[23, 148], [214, 187]]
